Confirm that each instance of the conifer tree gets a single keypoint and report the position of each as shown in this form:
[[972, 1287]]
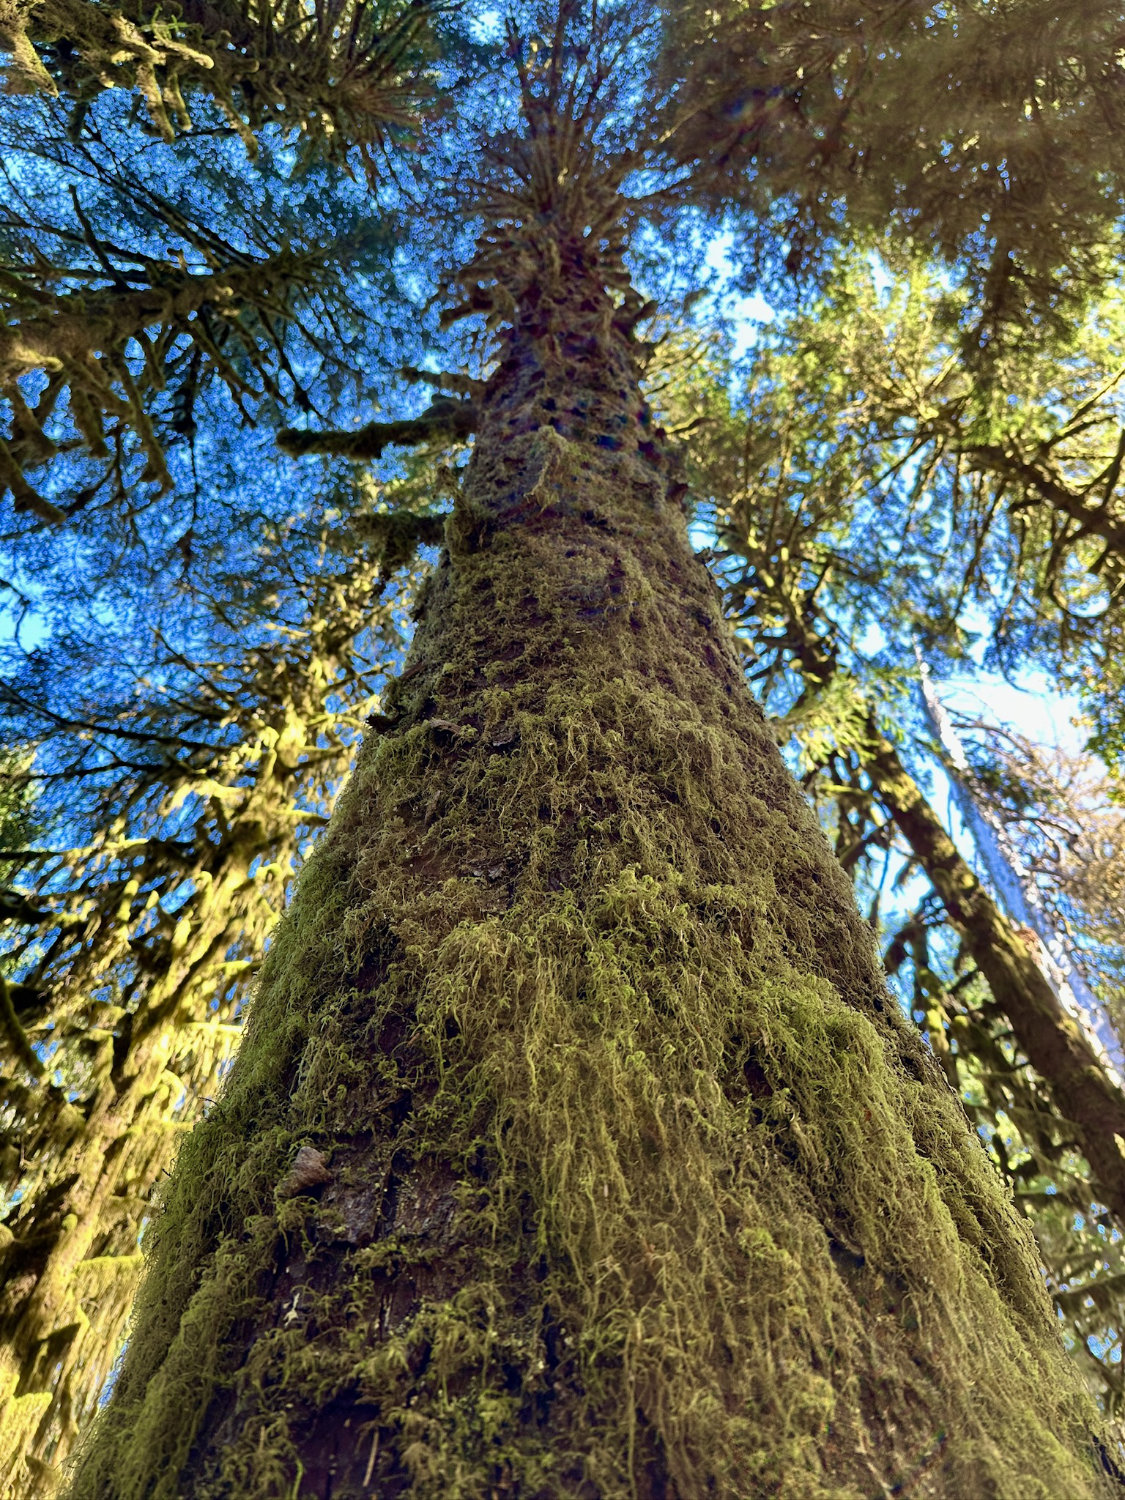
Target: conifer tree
[[576, 1146]]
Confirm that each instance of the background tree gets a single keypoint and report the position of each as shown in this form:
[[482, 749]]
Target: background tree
[[196, 780]]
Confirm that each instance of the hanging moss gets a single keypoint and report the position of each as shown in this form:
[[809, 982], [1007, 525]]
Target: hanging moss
[[634, 1181]]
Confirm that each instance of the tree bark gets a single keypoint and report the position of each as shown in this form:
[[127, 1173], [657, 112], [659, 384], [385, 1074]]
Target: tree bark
[[576, 1148]]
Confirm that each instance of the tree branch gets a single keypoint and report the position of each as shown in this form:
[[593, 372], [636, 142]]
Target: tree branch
[[445, 420]]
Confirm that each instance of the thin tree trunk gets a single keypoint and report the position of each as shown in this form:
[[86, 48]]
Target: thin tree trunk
[[1056, 1044], [576, 1148], [1017, 891]]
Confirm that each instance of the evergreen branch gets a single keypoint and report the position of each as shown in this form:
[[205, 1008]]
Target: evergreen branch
[[444, 421], [15, 1032], [351, 75], [1092, 518]]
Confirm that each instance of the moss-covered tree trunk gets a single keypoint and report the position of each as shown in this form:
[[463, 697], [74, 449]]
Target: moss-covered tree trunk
[[576, 1148]]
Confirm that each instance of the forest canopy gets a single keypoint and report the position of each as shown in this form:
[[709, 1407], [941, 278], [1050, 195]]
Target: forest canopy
[[257, 262]]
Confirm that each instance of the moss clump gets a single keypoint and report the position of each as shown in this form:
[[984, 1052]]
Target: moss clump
[[638, 1185]]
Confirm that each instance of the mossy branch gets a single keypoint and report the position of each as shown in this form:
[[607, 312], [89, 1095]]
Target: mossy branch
[[24, 497], [18, 1037], [79, 337], [444, 421], [445, 380], [397, 535]]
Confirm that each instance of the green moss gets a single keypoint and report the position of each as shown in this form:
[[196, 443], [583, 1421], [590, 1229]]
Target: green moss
[[640, 1185]]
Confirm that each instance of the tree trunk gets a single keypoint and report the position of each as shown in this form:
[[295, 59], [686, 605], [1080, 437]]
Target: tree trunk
[[1017, 892], [576, 1148], [1055, 1043], [1085, 1091]]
